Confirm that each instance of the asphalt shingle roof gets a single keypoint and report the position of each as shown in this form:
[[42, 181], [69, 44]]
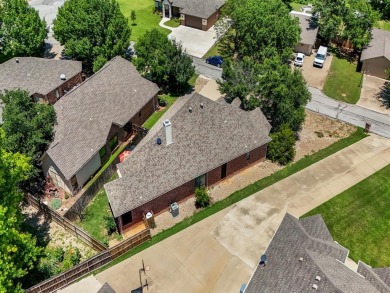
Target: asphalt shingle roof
[[36, 75], [379, 45], [106, 288], [308, 31], [202, 141], [284, 272], [199, 8], [85, 115]]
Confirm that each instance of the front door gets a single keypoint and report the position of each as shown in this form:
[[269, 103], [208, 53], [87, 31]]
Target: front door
[[223, 171]]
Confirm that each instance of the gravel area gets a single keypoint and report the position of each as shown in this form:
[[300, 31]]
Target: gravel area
[[317, 133]]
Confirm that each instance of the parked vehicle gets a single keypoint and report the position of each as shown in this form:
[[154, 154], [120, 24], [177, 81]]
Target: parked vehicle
[[320, 57], [299, 59], [215, 60]]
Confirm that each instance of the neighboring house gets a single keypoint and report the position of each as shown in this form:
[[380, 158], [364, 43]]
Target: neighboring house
[[106, 288], [93, 119], [197, 14], [45, 80], [201, 143], [308, 33], [376, 56], [303, 257]]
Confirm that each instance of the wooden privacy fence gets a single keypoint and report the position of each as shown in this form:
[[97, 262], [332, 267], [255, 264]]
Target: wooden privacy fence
[[66, 224], [68, 277]]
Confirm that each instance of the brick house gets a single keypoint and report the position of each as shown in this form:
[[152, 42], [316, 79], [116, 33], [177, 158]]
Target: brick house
[[202, 142], [46, 80], [201, 15], [93, 119]]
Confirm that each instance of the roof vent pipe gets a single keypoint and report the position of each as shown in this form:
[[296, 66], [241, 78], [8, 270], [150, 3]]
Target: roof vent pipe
[[318, 278], [17, 60], [190, 109], [315, 286], [168, 132], [201, 105], [301, 259], [62, 76]]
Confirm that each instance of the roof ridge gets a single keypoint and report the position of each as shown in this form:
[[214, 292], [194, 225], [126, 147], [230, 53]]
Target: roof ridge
[[373, 274]]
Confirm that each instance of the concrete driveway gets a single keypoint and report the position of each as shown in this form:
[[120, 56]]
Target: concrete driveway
[[220, 253], [372, 94], [196, 42], [315, 76]]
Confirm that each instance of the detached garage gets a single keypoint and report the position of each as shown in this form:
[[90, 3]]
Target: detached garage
[[376, 56], [308, 33]]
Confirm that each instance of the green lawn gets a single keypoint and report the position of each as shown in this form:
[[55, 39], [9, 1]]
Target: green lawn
[[213, 51], [359, 219], [172, 23], [244, 193], [383, 24], [156, 115], [343, 82], [146, 19], [296, 6], [97, 209]]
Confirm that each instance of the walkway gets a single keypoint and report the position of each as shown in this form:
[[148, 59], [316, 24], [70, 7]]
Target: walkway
[[221, 252]]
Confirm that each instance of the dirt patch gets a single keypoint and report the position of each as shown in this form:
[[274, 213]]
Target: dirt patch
[[317, 133], [200, 83]]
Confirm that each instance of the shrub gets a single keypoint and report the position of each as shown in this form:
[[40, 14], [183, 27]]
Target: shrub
[[202, 198], [281, 149], [110, 224], [55, 203], [162, 102]]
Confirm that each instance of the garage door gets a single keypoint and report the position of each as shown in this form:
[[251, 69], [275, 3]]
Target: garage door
[[193, 21]]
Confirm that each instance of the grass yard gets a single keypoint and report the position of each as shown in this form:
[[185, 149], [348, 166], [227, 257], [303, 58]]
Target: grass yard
[[213, 51], [172, 23], [94, 222], [383, 24], [157, 115], [343, 82], [145, 18], [359, 219], [296, 6]]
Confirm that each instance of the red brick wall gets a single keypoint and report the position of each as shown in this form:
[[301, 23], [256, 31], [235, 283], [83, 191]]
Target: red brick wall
[[51, 97], [146, 111], [211, 20], [186, 190]]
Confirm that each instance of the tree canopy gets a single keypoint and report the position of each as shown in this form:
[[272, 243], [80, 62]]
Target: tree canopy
[[261, 29], [348, 19], [18, 251], [28, 127], [92, 31], [22, 32], [280, 92], [163, 61]]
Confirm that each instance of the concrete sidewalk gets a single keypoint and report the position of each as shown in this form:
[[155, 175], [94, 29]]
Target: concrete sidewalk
[[220, 253]]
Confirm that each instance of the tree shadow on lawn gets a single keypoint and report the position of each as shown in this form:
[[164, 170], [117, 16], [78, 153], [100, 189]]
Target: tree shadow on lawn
[[343, 53]]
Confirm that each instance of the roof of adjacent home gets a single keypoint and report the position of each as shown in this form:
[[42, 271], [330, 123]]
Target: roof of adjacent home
[[106, 288], [310, 240], [85, 115], [308, 29], [203, 140], [36, 75], [203, 8], [379, 45]]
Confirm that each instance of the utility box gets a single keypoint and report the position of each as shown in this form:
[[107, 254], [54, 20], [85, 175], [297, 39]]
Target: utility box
[[174, 209]]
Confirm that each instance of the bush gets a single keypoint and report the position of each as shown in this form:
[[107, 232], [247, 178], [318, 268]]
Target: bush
[[202, 198], [110, 224], [55, 203], [162, 102], [281, 149]]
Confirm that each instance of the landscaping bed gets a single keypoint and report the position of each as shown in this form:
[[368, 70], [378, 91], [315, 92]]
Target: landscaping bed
[[358, 219]]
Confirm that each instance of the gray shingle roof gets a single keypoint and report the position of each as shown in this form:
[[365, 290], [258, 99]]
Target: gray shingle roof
[[202, 141], [198, 8], [36, 75], [379, 45], [377, 277], [106, 288], [284, 271], [384, 275], [308, 31], [85, 115]]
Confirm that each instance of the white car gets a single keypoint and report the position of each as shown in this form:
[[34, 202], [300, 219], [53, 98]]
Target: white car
[[299, 59]]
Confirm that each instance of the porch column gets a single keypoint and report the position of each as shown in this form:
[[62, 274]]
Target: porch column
[[119, 224], [170, 11]]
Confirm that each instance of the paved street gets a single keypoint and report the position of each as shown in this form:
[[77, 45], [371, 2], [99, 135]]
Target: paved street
[[220, 253], [352, 114], [205, 69]]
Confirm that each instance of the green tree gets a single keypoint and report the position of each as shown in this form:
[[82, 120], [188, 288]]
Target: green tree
[[281, 149], [18, 251], [133, 16], [163, 61], [383, 7], [280, 92], [262, 28], [348, 19], [92, 31], [28, 128], [22, 32]]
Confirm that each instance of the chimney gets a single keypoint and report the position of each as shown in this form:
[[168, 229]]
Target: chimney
[[168, 132]]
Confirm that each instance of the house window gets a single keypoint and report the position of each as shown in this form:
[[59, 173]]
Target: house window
[[126, 218], [113, 142], [200, 181], [102, 152], [140, 113], [248, 156]]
